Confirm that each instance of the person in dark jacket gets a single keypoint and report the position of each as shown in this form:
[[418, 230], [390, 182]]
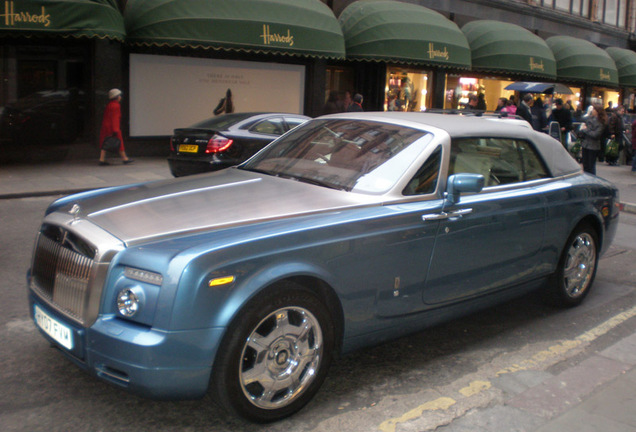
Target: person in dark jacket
[[539, 119], [616, 128], [501, 102], [332, 106], [473, 101], [591, 133], [634, 147], [481, 102], [356, 105], [523, 110], [563, 116]]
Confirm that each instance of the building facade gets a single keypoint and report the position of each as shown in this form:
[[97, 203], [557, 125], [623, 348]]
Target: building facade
[[56, 67]]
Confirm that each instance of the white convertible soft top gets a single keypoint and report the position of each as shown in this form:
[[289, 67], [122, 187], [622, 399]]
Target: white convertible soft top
[[559, 161]]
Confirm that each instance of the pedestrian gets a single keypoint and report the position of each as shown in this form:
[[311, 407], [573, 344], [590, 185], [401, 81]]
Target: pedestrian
[[473, 101], [225, 105], [578, 114], [332, 106], [501, 103], [346, 101], [591, 133], [634, 148], [481, 102], [111, 126], [393, 104], [539, 118], [524, 108], [510, 109], [616, 128], [562, 115], [547, 105], [356, 105]]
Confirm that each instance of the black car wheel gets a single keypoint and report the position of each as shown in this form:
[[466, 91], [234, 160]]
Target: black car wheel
[[276, 354], [577, 268]]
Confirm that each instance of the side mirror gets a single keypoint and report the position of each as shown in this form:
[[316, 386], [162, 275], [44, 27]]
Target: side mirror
[[463, 183]]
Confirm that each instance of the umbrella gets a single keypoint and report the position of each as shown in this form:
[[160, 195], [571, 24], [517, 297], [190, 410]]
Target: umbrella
[[539, 87]]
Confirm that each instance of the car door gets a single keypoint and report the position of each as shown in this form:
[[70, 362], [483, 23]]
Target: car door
[[400, 256], [495, 237]]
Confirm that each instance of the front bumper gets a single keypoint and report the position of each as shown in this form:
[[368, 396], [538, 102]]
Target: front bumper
[[148, 362]]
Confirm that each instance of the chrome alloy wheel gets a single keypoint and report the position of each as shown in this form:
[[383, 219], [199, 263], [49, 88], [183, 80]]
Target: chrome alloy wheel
[[281, 357], [579, 265]]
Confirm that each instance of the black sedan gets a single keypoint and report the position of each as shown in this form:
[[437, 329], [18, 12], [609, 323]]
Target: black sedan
[[226, 140]]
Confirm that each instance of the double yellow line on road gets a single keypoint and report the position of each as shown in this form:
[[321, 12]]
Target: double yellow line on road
[[537, 361]]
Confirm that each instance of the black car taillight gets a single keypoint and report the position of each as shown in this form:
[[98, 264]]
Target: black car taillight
[[218, 144]]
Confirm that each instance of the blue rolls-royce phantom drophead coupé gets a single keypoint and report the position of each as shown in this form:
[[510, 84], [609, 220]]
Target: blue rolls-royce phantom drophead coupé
[[347, 231]]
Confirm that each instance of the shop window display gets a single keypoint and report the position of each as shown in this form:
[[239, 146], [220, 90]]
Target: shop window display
[[43, 101], [340, 85], [489, 90], [607, 98], [407, 90]]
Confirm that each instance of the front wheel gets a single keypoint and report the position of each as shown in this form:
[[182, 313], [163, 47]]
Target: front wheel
[[276, 354], [577, 268]]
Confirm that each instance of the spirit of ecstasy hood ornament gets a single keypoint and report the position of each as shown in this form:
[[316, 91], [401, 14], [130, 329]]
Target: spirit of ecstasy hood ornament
[[75, 210]]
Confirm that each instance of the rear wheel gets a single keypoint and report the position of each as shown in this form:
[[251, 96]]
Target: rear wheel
[[577, 268], [276, 354]]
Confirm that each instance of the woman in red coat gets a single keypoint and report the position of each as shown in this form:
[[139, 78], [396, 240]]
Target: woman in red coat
[[111, 125]]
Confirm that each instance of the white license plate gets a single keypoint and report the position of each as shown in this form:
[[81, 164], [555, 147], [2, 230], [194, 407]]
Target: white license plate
[[52, 327]]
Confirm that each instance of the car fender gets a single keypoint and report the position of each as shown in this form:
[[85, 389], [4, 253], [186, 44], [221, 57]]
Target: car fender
[[197, 304]]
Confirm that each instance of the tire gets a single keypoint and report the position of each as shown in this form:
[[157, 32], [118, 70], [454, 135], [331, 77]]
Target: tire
[[275, 355], [577, 268]]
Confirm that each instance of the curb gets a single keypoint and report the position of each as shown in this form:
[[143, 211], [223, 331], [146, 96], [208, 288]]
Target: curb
[[629, 208], [19, 195]]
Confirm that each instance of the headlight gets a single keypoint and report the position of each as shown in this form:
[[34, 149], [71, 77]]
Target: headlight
[[130, 301]]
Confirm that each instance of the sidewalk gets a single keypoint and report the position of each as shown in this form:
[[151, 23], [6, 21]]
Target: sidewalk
[[624, 179], [63, 178]]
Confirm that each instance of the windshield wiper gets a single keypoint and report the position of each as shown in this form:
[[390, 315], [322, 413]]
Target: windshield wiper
[[312, 181], [318, 183], [260, 171]]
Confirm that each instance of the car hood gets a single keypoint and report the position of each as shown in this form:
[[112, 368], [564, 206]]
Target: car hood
[[231, 197]]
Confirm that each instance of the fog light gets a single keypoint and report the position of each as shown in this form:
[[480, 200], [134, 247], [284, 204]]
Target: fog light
[[129, 301]]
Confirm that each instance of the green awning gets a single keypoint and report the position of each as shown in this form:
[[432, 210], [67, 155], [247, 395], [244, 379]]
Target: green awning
[[503, 47], [582, 61], [402, 32], [293, 27], [67, 18], [625, 61]]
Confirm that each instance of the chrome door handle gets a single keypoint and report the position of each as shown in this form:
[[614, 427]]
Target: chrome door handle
[[435, 216], [460, 213], [443, 215]]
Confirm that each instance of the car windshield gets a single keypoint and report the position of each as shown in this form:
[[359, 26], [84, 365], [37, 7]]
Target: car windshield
[[359, 156], [221, 122]]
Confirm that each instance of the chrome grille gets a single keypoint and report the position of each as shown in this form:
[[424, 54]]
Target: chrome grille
[[61, 276]]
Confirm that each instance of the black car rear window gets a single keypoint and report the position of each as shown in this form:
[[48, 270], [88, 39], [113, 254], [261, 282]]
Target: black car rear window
[[222, 122]]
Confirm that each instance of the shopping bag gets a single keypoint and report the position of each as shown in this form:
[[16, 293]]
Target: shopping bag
[[611, 149]]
